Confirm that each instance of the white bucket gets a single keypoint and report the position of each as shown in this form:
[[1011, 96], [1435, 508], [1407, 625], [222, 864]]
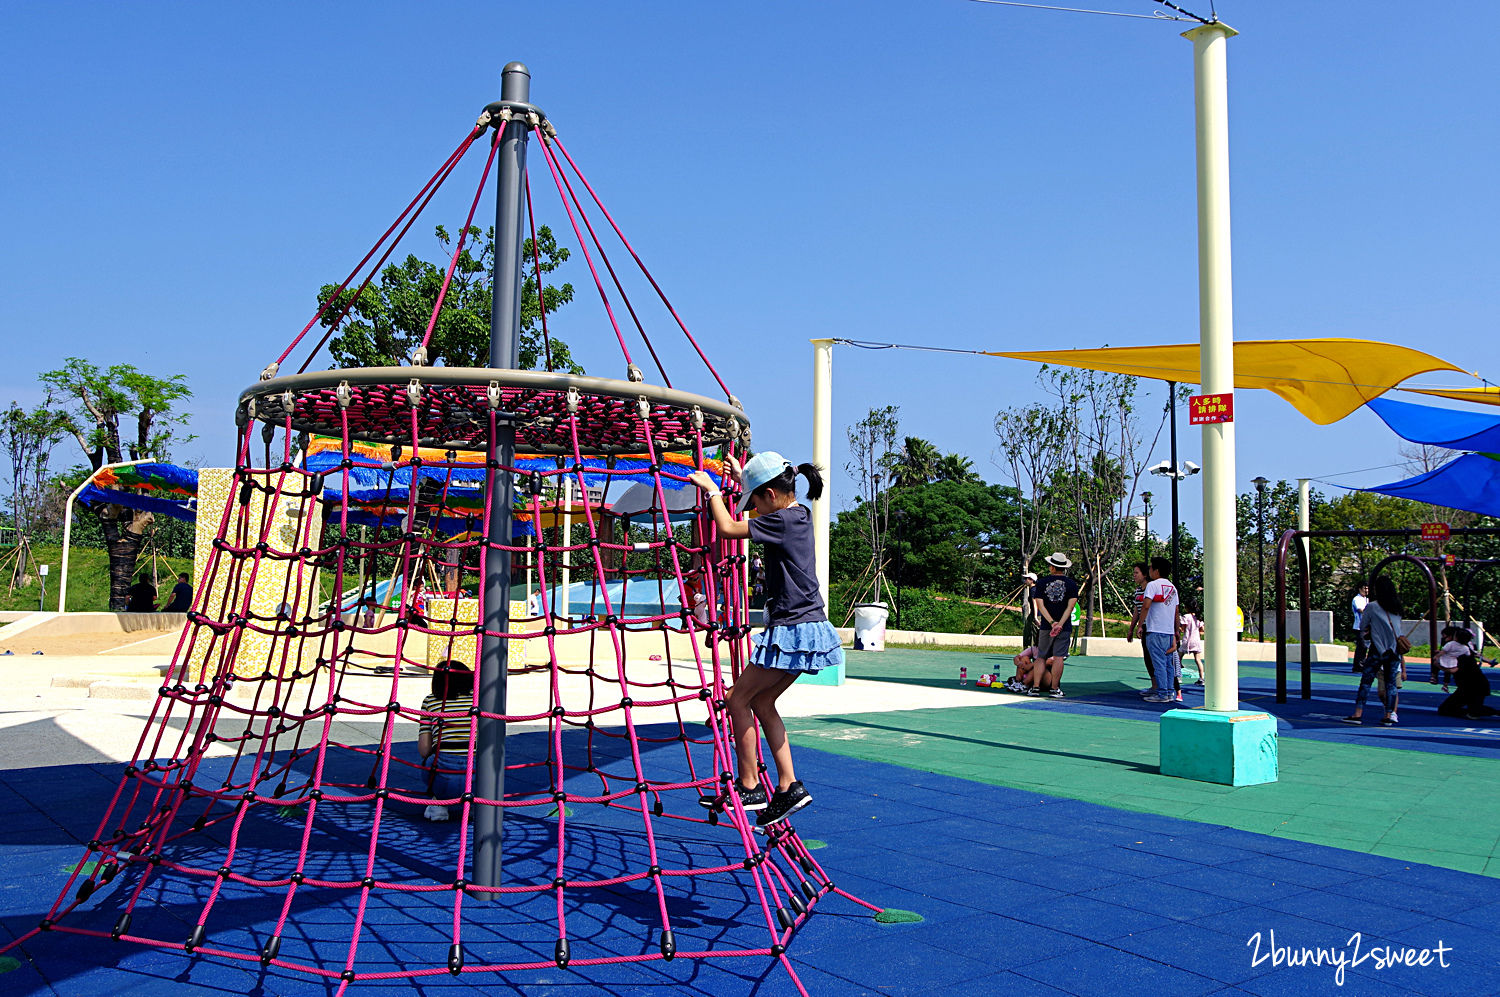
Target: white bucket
[[869, 626]]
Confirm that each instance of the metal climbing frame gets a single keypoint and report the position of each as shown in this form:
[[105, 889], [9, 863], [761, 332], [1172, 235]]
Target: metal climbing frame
[[1304, 581]]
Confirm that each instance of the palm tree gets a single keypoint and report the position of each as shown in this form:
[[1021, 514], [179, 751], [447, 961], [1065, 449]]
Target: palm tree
[[955, 467], [916, 463]]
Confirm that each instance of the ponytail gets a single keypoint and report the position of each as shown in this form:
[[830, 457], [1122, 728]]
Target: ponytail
[[786, 481], [814, 480]]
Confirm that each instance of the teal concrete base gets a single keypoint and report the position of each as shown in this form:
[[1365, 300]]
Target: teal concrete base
[[1234, 749], [832, 675]]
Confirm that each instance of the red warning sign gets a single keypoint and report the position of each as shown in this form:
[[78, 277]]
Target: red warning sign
[[1204, 410], [1435, 531]]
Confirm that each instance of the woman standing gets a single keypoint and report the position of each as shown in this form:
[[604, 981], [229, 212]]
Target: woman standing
[[1381, 625]]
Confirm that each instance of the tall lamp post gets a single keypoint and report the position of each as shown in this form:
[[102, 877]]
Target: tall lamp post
[[1146, 525], [901, 564], [1260, 556], [1175, 471], [876, 539]]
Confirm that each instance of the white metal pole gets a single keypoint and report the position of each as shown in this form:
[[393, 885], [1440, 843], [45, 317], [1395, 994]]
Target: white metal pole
[[1216, 331], [822, 454], [1304, 510], [62, 580]]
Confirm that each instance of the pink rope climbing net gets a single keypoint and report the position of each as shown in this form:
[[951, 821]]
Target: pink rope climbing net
[[273, 775]]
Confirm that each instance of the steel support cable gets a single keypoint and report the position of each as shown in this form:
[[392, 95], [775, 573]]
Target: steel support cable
[[634, 255], [437, 178], [583, 245], [604, 258], [536, 259], [348, 306], [463, 235], [1167, 373]]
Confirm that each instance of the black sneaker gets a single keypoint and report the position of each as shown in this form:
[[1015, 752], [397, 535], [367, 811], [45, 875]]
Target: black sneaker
[[750, 799], [783, 805]]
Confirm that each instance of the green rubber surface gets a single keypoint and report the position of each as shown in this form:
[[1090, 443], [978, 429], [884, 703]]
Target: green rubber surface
[[1434, 808]]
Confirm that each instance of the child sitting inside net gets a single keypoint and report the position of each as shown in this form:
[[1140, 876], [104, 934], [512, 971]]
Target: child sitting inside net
[[452, 697]]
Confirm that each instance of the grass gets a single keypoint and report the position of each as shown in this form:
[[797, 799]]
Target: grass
[[88, 580], [964, 648]]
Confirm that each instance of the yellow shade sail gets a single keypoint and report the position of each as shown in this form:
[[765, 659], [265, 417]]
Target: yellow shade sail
[[1324, 379], [1479, 396]]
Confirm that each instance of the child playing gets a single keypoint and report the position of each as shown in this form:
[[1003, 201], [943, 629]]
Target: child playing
[[1192, 641], [797, 640], [1471, 687], [447, 732], [1025, 662], [1450, 652]]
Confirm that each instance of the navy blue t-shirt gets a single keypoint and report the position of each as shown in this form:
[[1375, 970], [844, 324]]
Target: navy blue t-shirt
[[792, 593], [182, 598], [1055, 591]]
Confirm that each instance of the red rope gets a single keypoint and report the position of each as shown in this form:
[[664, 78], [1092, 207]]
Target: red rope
[[437, 178], [614, 278], [536, 262], [660, 293], [583, 245], [463, 234]]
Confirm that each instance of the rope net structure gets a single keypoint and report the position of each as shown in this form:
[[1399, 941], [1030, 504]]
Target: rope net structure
[[273, 811]]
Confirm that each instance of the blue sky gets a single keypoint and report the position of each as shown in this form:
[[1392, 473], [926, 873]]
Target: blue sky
[[180, 178]]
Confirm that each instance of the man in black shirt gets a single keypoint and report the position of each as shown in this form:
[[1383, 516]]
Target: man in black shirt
[[142, 597], [1053, 598], [182, 596]]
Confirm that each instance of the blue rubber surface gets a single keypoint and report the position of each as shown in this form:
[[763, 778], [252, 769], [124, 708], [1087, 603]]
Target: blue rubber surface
[[1021, 893]]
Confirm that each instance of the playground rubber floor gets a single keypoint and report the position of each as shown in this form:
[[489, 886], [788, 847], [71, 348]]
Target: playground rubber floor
[[1036, 839]]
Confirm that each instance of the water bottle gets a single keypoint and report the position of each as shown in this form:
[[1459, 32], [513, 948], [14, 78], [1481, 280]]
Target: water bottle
[[963, 676]]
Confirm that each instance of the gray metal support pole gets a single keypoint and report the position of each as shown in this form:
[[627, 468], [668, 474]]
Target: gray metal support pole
[[505, 352]]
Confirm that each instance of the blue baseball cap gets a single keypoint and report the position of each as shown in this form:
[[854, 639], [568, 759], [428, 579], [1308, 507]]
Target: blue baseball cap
[[760, 470]]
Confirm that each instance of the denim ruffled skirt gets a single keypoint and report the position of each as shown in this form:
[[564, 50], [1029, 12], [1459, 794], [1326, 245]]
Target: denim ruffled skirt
[[801, 647]]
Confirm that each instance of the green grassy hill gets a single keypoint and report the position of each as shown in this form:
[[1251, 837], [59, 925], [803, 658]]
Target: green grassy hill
[[88, 580]]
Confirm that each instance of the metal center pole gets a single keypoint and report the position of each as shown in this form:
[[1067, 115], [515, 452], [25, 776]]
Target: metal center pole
[[505, 353]]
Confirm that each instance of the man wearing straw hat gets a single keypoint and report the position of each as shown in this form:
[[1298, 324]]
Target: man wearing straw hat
[[1053, 598]]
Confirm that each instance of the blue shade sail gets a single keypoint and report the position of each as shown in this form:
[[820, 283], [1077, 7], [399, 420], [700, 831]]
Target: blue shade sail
[[1470, 482], [1439, 427]]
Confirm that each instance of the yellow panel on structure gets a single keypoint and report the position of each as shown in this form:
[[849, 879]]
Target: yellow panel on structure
[[1324, 379], [1479, 396], [454, 639], [241, 582]]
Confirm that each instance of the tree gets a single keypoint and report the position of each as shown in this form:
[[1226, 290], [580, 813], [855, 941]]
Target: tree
[[955, 467], [91, 405], [956, 535], [29, 440], [1033, 444], [386, 324], [1105, 458], [873, 458], [916, 463]]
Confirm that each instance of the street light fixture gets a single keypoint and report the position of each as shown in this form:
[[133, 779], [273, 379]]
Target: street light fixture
[[1146, 525], [1175, 471], [1260, 557]]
